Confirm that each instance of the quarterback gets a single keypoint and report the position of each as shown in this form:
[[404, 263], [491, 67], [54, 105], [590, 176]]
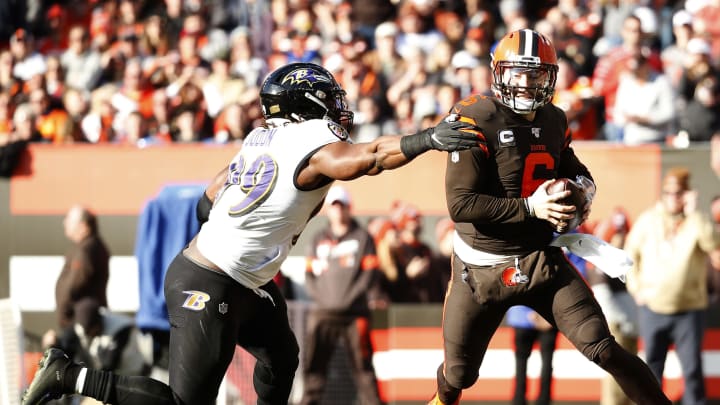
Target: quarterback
[[505, 223]]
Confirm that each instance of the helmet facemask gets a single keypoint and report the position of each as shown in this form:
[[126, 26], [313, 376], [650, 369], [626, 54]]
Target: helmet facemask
[[332, 106], [524, 86]]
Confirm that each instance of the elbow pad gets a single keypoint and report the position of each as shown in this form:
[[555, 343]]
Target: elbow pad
[[202, 210]]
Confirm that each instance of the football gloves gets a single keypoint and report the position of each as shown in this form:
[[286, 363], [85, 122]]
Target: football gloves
[[450, 135]]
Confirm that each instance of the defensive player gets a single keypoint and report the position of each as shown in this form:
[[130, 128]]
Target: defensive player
[[219, 289], [505, 222]]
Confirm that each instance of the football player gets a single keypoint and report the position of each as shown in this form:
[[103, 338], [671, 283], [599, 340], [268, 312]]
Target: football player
[[219, 289], [505, 221]]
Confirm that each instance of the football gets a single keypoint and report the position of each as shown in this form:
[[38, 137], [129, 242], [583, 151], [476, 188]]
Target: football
[[576, 198]]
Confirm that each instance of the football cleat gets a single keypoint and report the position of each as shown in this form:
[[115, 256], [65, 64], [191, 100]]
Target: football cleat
[[48, 381]]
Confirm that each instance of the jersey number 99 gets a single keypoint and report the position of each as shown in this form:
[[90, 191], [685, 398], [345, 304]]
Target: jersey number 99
[[256, 180]]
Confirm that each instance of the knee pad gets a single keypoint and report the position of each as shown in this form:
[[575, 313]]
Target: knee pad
[[606, 353], [459, 377]]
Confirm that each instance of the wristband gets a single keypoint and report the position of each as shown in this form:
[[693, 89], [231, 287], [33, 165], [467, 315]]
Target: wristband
[[415, 144], [528, 207], [202, 209]]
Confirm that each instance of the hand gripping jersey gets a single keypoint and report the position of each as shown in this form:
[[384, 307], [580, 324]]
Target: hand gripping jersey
[[259, 213], [484, 190]]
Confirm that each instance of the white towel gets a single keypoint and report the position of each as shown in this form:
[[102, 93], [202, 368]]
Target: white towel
[[610, 260]]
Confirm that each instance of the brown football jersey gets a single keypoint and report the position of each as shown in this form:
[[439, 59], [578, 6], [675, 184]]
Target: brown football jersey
[[485, 188]]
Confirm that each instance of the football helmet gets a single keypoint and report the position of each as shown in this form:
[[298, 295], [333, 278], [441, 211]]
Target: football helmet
[[525, 68], [304, 91]]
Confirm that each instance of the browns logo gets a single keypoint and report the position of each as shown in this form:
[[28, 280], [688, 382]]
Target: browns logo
[[512, 277]]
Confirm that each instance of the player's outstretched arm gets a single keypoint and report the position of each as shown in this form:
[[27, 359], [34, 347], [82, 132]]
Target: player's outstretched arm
[[345, 161]]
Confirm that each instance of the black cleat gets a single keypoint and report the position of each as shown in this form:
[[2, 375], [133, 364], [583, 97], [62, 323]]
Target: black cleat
[[48, 381]]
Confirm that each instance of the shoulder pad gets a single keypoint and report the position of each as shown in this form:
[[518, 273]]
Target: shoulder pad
[[481, 108]]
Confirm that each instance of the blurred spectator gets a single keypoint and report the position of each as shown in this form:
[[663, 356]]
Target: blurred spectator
[[384, 59], [700, 119], [81, 63], [245, 63], [715, 154], [97, 124], [463, 63], [386, 243], [614, 14], [618, 306], [529, 327], [610, 66], [452, 26], [674, 56], [304, 47], [75, 102], [51, 120], [574, 95], [8, 82], [134, 94], [707, 26], [220, 89], [100, 339], [154, 39], [86, 269], [231, 125], [416, 31], [55, 28], [447, 95], [568, 44], [439, 63], [477, 43], [356, 77], [6, 112], [644, 103], [159, 121], [713, 265], [14, 135], [54, 77], [414, 257], [669, 245], [342, 269], [134, 131], [369, 123], [583, 17], [442, 255], [28, 61], [366, 15], [698, 65]]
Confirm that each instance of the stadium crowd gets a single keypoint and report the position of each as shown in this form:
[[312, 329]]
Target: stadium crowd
[[145, 72]]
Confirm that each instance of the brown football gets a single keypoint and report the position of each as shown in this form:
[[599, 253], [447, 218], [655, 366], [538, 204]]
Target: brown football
[[576, 198]]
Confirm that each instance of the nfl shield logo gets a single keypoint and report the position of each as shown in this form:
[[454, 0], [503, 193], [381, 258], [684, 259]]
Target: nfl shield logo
[[223, 307]]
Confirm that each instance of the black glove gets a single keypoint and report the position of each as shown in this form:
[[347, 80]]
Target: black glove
[[449, 135]]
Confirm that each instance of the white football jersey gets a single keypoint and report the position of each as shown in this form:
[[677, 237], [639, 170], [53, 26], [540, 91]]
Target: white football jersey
[[260, 213]]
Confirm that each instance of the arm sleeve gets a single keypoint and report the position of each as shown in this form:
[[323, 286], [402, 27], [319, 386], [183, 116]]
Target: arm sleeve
[[466, 195], [202, 210]]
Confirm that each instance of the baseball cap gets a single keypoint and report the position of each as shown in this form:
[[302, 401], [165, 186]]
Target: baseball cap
[[386, 29], [682, 17], [464, 59], [699, 46], [337, 194], [19, 35]]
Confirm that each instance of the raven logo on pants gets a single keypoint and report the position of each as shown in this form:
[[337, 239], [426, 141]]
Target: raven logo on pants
[[196, 300]]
